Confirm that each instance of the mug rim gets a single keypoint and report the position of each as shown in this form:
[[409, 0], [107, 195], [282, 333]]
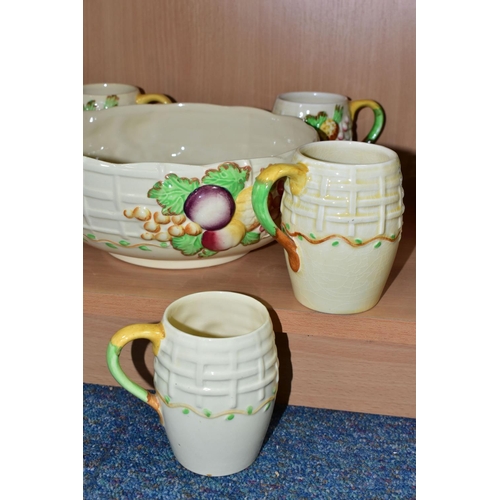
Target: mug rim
[[101, 89], [324, 98], [193, 297], [391, 155]]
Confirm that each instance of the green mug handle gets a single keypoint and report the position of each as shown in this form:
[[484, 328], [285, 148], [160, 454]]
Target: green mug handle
[[297, 175], [379, 117], [155, 333]]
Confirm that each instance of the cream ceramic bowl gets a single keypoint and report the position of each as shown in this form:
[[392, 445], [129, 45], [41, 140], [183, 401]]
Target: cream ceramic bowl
[[170, 186]]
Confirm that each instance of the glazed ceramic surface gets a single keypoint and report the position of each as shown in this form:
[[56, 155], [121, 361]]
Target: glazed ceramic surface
[[99, 96], [170, 186], [331, 114], [341, 221], [216, 378]]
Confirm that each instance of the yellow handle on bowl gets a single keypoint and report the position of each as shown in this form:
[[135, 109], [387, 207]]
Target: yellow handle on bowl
[[146, 98], [155, 333], [297, 175]]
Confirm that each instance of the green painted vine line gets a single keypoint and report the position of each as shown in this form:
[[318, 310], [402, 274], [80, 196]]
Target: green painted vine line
[[230, 414], [125, 244]]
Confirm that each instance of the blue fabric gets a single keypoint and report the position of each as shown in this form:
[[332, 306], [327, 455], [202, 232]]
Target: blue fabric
[[308, 453]]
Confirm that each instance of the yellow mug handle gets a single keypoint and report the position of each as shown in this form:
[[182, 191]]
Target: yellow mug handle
[[146, 98], [297, 174], [155, 333]]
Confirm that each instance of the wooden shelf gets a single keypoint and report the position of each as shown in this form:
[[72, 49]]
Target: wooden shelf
[[363, 362]]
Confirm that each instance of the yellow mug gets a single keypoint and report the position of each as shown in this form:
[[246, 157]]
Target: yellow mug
[[341, 221]]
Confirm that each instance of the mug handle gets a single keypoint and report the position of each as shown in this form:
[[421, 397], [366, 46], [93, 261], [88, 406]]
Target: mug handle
[[379, 117], [260, 193], [152, 332], [146, 98]]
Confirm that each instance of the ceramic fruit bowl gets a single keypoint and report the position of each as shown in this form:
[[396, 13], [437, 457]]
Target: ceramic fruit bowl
[[170, 186]]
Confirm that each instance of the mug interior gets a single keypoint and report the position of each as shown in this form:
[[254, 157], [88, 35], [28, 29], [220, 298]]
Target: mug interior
[[312, 97], [348, 153], [105, 89], [216, 314]]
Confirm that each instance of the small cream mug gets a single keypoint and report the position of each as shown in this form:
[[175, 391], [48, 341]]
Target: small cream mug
[[332, 115], [341, 221], [215, 376], [99, 96]]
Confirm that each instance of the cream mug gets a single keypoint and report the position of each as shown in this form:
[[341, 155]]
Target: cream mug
[[342, 215], [332, 115], [215, 376], [99, 96]]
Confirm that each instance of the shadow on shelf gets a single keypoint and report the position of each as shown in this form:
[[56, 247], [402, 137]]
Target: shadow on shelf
[[408, 237]]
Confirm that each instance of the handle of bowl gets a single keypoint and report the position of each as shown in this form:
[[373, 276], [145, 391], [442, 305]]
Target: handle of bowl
[[152, 332], [146, 98], [296, 173], [378, 117]]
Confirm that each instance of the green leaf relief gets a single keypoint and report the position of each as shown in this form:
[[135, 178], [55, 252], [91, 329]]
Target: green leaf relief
[[250, 410], [167, 399], [207, 413], [110, 245], [185, 411], [392, 236], [230, 417], [188, 244], [358, 241], [312, 236], [377, 244], [172, 193], [287, 226], [124, 243], [267, 406], [111, 101], [90, 106], [316, 121], [164, 244], [338, 113], [300, 237], [250, 238], [144, 248], [91, 236], [335, 243], [207, 253], [228, 176]]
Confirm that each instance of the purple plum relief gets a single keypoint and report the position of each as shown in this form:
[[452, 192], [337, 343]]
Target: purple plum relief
[[210, 206]]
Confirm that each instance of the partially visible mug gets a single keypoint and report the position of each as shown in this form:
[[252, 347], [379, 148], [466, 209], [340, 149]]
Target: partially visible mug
[[215, 375], [99, 96], [342, 216], [332, 115]]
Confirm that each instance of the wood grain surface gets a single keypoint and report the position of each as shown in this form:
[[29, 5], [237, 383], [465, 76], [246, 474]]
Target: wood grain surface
[[235, 52]]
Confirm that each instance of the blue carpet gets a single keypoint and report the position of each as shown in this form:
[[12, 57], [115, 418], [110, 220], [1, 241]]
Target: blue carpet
[[308, 453]]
